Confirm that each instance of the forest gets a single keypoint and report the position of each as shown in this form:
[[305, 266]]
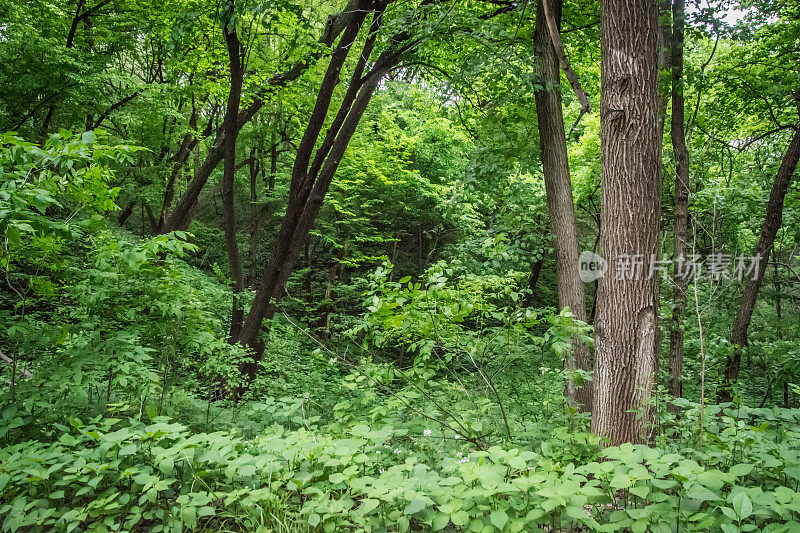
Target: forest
[[400, 265]]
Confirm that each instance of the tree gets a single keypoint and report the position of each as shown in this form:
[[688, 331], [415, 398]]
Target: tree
[[769, 229], [681, 154], [183, 213], [626, 320], [555, 166], [311, 178]]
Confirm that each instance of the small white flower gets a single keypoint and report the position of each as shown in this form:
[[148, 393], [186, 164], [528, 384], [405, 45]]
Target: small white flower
[[382, 470], [397, 451], [377, 451], [458, 436], [427, 433]]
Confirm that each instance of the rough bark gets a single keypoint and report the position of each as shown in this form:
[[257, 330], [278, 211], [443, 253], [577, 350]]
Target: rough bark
[[681, 224], [769, 229], [558, 187], [631, 186]]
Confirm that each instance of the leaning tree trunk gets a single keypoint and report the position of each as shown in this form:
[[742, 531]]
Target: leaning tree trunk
[[185, 208], [772, 223], [558, 187], [311, 178], [681, 153], [625, 326]]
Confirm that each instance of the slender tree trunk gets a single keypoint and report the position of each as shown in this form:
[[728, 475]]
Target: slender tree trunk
[[533, 281], [681, 153], [334, 274], [309, 184], [626, 322], [772, 223], [187, 144], [125, 213], [184, 210], [229, 173], [262, 212], [292, 233], [558, 186]]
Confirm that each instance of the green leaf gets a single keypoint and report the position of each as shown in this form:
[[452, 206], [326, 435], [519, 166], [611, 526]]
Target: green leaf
[[741, 469], [460, 518], [440, 521], [742, 505], [314, 520], [620, 481], [130, 449], [13, 235], [368, 505], [499, 519], [699, 492], [415, 506]]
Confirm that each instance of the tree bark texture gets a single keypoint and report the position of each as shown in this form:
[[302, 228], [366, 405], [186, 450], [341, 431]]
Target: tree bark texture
[[229, 172], [681, 224], [558, 187], [626, 322]]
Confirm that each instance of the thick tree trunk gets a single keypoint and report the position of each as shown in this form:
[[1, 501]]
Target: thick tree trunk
[[626, 323], [558, 187], [681, 153], [229, 172], [772, 223]]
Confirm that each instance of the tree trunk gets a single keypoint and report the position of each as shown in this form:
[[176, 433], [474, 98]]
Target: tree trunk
[[310, 184], [558, 187], [681, 153], [533, 280], [625, 327], [189, 145], [334, 275], [125, 213], [772, 223], [184, 210], [229, 173], [260, 212]]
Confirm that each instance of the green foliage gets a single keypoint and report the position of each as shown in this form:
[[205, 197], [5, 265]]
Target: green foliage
[[69, 174], [110, 474], [413, 375]]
